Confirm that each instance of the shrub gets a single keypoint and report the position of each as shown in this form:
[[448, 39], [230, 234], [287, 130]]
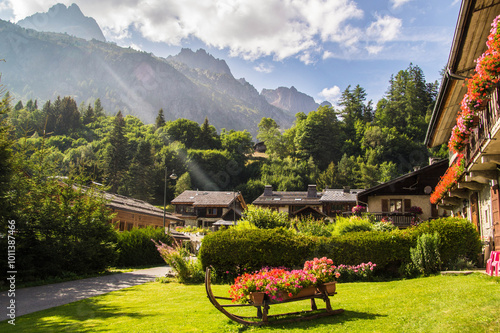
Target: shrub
[[313, 227], [265, 218], [345, 225], [232, 252], [384, 226], [136, 249], [459, 238], [177, 257], [425, 256]]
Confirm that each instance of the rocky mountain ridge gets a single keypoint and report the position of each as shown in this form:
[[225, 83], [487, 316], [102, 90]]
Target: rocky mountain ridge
[[62, 19]]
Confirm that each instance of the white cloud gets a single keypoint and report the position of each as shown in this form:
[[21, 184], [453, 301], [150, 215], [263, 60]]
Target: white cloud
[[264, 68], [250, 29], [331, 94], [386, 28], [398, 3]]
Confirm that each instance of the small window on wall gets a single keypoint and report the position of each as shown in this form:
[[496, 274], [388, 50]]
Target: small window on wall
[[130, 226], [122, 226], [211, 211], [395, 205]]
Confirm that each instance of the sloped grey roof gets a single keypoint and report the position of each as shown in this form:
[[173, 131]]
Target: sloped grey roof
[[288, 198], [206, 198], [338, 195], [134, 205]]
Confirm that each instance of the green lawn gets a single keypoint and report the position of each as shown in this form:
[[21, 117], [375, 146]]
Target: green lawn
[[434, 304]]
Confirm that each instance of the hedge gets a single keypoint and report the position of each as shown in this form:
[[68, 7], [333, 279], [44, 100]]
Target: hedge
[[233, 252], [459, 238], [136, 248]]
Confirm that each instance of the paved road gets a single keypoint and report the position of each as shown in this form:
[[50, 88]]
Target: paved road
[[32, 299]]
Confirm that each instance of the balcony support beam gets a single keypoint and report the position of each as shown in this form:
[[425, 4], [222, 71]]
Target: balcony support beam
[[482, 177], [491, 159], [473, 186], [461, 194], [452, 201]]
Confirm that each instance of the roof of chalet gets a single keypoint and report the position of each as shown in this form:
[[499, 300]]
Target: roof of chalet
[[418, 182], [301, 198], [469, 42], [288, 198], [208, 198], [339, 195], [117, 201]]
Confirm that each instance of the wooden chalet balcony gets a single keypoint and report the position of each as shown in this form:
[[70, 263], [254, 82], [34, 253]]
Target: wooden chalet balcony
[[485, 130], [399, 219]]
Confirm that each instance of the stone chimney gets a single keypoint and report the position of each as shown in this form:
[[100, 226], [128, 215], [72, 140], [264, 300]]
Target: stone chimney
[[311, 191], [268, 191], [347, 189]]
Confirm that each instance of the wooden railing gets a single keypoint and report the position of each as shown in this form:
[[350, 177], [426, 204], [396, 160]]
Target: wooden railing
[[487, 120], [400, 220]]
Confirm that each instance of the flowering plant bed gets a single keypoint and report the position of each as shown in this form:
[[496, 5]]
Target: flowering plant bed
[[276, 283], [322, 269], [262, 300]]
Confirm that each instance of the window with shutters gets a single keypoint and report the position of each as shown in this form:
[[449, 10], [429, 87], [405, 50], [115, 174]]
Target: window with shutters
[[395, 205]]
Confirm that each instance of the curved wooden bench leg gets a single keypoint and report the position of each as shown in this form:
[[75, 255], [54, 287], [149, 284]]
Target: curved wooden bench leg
[[313, 305]]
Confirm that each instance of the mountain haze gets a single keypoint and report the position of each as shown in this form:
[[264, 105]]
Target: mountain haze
[[60, 18], [193, 85], [291, 100]]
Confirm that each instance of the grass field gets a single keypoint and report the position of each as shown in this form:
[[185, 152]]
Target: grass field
[[433, 304]]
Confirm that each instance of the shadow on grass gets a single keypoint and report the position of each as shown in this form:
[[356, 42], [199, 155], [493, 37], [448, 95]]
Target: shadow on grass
[[80, 316], [346, 316]]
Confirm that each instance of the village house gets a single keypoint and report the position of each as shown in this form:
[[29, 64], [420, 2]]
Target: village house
[[470, 186], [204, 209], [136, 213], [397, 199], [329, 203]]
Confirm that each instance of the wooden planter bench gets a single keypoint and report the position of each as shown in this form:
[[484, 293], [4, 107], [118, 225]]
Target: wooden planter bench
[[263, 317]]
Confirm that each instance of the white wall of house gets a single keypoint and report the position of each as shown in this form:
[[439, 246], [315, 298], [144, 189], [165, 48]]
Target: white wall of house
[[422, 201], [485, 217]]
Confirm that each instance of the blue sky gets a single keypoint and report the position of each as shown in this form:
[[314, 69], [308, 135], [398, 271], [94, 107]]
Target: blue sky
[[318, 46]]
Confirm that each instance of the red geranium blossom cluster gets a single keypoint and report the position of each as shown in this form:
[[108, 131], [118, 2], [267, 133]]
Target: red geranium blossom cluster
[[479, 88], [323, 269], [273, 281], [449, 179]]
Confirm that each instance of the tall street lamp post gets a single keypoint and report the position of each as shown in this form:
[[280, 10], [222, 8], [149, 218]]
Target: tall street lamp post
[[173, 176]]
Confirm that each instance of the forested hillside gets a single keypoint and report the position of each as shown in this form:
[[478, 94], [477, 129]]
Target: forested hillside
[[357, 145]]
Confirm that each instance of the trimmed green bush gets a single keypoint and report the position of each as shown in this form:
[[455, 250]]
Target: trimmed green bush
[[232, 252], [345, 225], [136, 248], [459, 238]]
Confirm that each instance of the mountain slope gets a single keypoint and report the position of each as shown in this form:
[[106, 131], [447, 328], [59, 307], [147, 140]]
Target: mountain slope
[[291, 100], [60, 18], [43, 66]]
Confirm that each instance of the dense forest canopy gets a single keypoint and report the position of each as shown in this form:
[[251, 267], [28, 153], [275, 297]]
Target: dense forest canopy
[[353, 145]]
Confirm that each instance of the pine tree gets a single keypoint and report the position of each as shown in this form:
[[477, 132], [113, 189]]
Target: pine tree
[[115, 155], [160, 119]]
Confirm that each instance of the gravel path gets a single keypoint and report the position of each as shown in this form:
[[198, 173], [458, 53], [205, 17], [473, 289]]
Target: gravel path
[[32, 299]]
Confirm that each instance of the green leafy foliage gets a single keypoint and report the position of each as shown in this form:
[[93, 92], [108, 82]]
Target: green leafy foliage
[[135, 247], [264, 218], [425, 257], [344, 225], [459, 238], [232, 252], [177, 257]]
